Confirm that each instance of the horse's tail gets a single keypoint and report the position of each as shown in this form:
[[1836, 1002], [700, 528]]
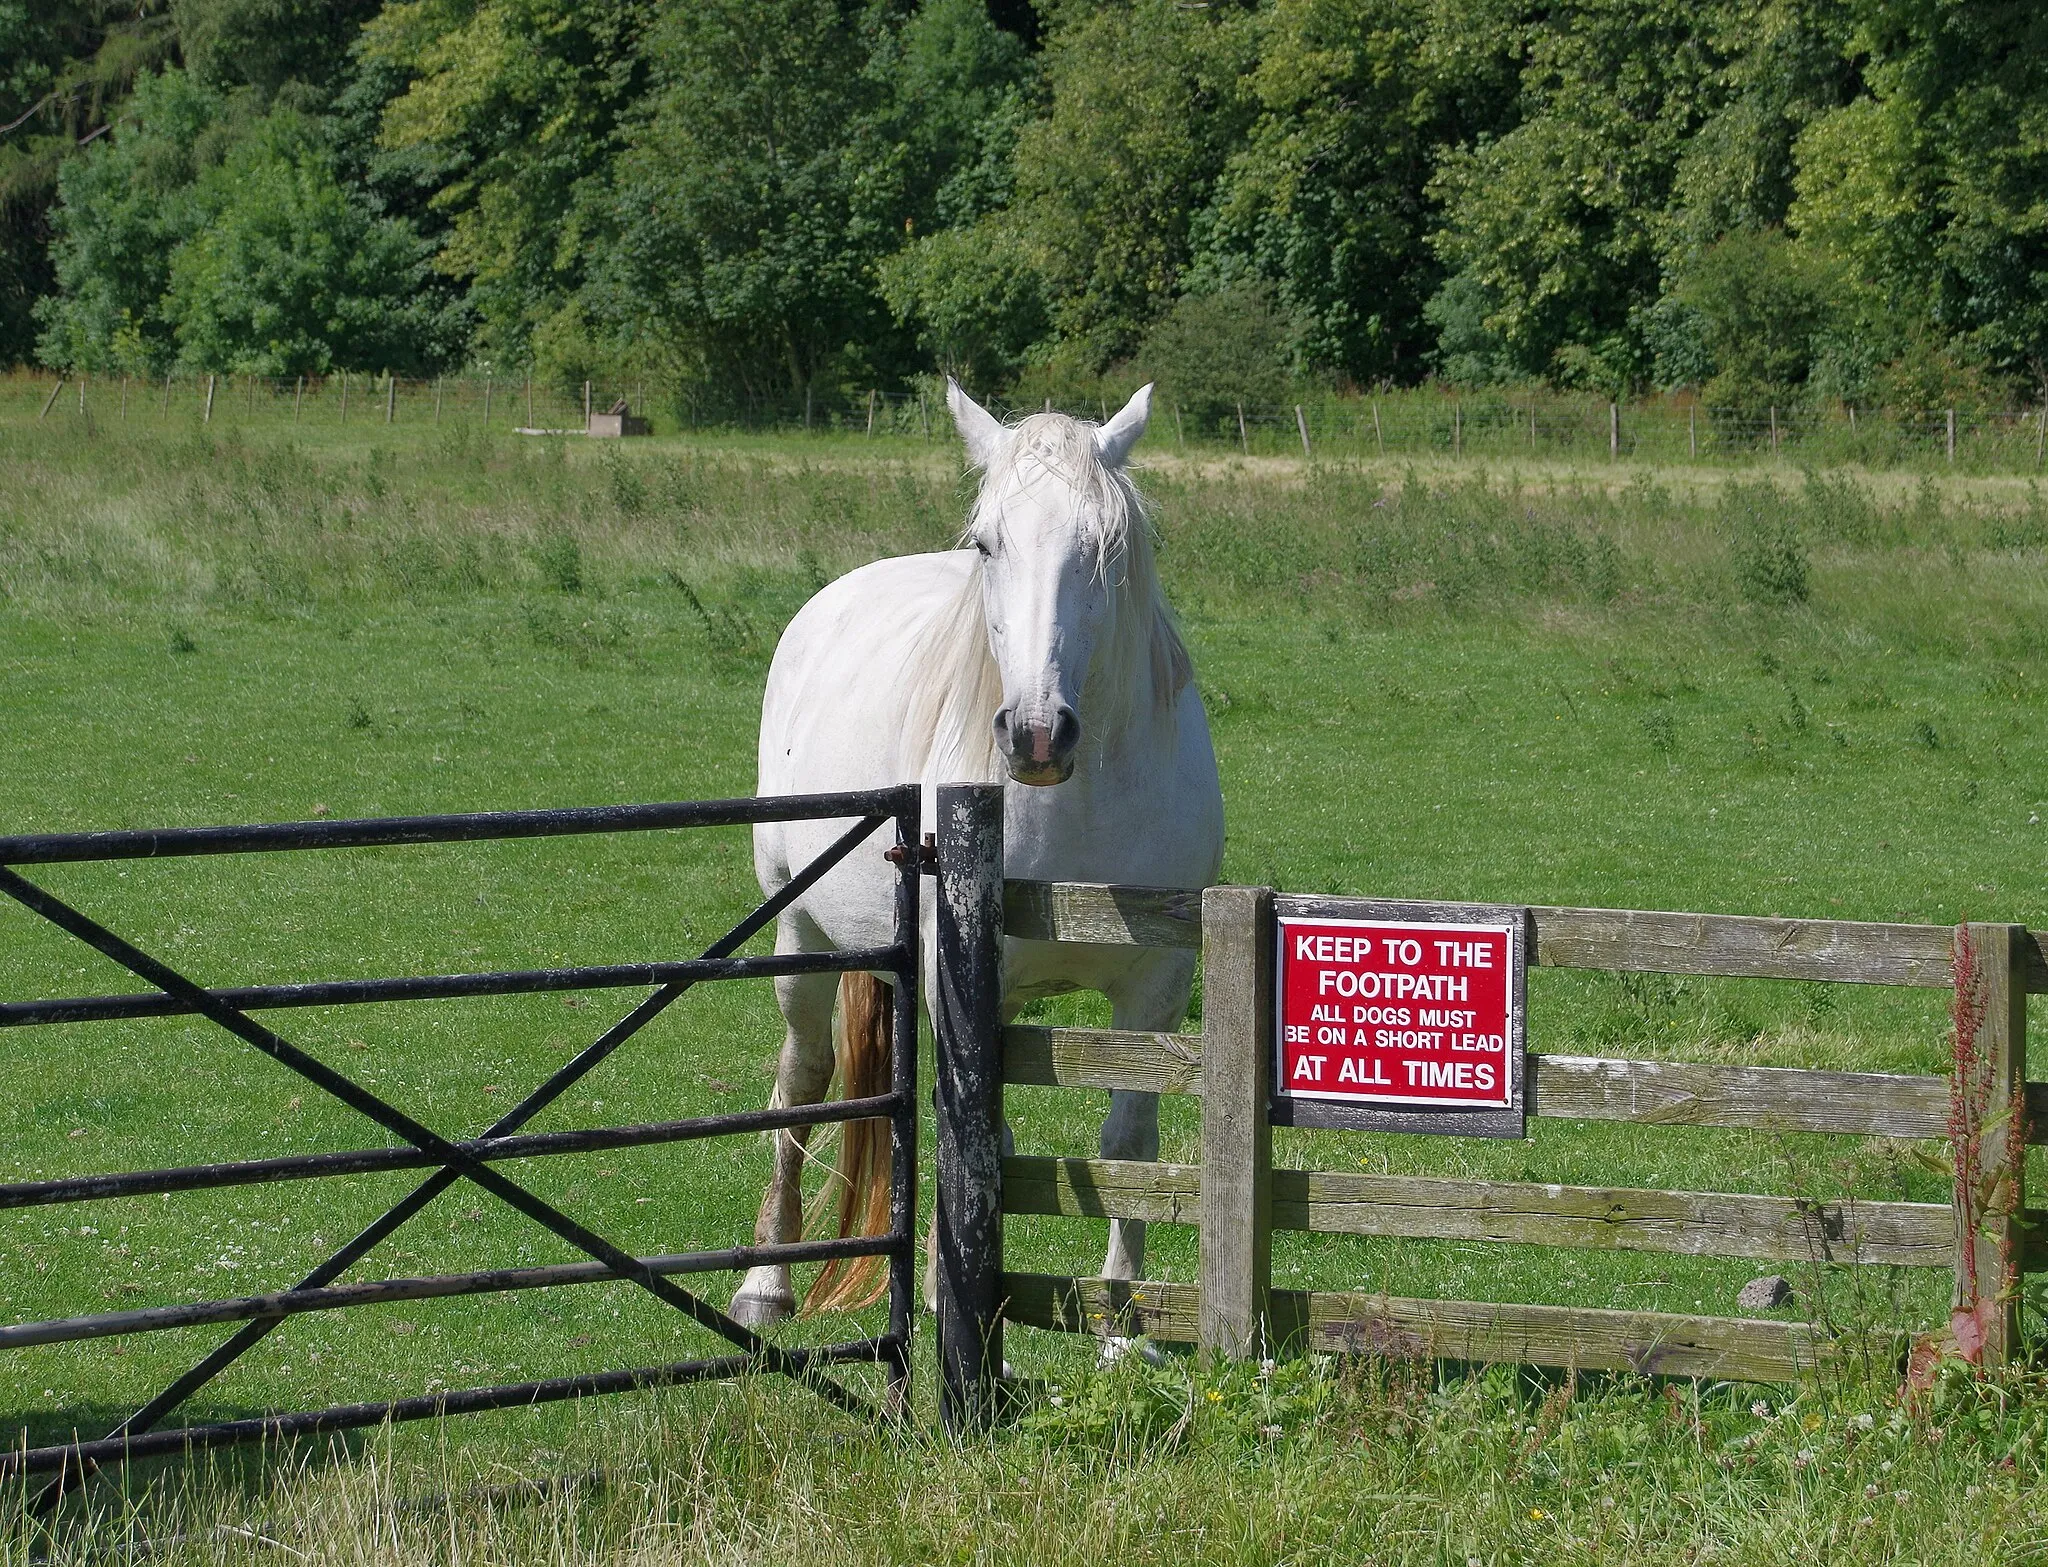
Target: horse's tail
[[860, 1189]]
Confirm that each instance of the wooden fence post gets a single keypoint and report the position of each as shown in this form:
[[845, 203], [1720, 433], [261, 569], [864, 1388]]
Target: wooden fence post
[[1243, 440], [586, 407], [871, 413], [298, 397], [1379, 441], [344, 397], [969, 1090], [1614, 430], [1180, 436], [1301, 423], [2041, 435], [1457, 429], [51, 401], [1951, 435], [1692, 430], [390, 397], [487, 399], [1236, 1265], [1988, 1136], [124, 399], [209, 401]]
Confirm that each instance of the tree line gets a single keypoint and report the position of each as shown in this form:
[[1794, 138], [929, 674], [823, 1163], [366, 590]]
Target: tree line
[[1778, 203]]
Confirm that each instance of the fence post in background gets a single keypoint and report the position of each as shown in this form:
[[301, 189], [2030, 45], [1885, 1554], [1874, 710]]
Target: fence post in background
[[344, 397], [208, 419], [871, 414], [1378, 441], [1951, 435], [298, 397], [124, 399], [390, 397], [1532, 427], [51, 401], [529, 399], [1457, 429], [487, 399], [1613, 430], [586, 407], [1692, 429], [967, 1015], [82, 379], [2040, 434], [807, 405], [924, 418], [1180, 436], [437, 399], [1243, 440], [1852, 418], [1301, 423], [1988, 1133], [1774, 429], [1236, 1262]]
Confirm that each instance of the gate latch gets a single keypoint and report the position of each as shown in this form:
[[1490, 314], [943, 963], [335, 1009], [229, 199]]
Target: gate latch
[[925, 856]]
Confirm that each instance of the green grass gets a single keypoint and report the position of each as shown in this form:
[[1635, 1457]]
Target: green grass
[[1788, 694]]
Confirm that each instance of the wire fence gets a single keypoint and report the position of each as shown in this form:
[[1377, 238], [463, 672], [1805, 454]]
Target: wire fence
[[1426, 422]]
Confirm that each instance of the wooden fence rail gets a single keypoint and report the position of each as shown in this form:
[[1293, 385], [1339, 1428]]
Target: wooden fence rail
[[1237, 1198]]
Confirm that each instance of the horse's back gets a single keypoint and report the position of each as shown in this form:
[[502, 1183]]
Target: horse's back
[[834, 717]]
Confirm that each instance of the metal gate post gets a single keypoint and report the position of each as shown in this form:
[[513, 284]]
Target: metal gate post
[[968, 1023]]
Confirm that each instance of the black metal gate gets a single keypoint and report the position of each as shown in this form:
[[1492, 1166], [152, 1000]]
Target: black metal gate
[[472, 1159]]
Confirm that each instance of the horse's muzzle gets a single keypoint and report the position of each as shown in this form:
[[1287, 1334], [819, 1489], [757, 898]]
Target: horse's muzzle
[[1039, 754]]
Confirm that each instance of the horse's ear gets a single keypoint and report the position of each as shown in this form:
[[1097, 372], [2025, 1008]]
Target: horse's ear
[[979, 428], [1115, 439]]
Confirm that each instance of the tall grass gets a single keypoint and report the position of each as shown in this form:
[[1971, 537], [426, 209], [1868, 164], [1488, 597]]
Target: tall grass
[[91, 522], [1170, 1465]]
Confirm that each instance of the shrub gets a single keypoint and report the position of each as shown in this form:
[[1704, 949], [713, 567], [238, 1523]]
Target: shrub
[[1770, 555]]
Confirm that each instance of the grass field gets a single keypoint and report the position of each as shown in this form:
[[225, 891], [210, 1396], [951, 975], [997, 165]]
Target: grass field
[[1752, 691]]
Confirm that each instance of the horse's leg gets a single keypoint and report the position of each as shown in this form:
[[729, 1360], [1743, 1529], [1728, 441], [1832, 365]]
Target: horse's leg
[[1153, 998], [803, 1073]]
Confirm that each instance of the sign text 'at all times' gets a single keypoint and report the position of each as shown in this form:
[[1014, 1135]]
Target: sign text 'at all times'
[[1396, 1014]]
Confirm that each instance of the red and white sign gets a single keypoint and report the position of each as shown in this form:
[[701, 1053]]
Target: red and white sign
[[1397, 1014]]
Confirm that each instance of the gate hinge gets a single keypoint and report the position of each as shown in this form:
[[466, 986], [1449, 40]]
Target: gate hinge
[[926, 855]]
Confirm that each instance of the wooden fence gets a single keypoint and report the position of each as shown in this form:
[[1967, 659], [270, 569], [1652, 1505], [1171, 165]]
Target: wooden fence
[[1237, 1199]]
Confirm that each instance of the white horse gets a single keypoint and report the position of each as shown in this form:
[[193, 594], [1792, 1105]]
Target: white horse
[[1043, 649]]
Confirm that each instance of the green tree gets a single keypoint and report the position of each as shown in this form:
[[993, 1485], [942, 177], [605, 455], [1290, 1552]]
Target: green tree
[[1145, 108], [65, 65], [127, 205], [1935, 186], [749, 208], [1647, 130], [1326, 197], [290, 272], [514, 105]]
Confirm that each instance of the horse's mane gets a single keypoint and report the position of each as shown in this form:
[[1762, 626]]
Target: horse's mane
[[955, 685]]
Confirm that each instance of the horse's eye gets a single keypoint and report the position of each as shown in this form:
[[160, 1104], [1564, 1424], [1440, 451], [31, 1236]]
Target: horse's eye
[[981, 549]]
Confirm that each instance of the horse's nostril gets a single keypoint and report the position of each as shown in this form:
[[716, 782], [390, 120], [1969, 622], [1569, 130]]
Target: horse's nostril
[[1003, 723], [1066, 731]]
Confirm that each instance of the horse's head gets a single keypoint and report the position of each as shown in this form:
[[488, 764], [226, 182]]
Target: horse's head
[[1057, 526]]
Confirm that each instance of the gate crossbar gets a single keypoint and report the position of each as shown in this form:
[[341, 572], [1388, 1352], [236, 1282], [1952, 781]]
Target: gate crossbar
[[471, 1159]]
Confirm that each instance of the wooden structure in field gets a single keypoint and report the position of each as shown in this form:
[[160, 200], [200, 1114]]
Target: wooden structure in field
[[1237, 1199]]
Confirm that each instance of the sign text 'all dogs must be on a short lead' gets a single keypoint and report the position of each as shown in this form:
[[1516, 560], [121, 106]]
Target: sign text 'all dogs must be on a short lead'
[[1399, 1017]]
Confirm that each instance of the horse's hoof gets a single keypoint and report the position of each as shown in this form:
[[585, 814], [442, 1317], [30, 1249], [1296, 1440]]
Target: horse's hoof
[[762, 1308], [1115, 1348]]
